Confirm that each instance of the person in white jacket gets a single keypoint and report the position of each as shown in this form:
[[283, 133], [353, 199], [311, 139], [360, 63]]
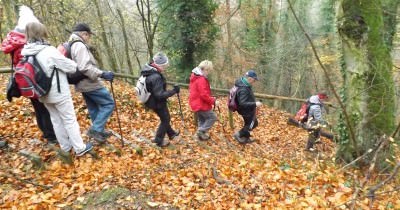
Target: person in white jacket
[[58, 103]]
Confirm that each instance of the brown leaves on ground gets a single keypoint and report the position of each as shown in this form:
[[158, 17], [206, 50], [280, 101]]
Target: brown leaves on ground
[[273, 172]]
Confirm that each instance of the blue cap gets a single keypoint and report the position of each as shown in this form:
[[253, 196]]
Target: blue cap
[[252, 74]]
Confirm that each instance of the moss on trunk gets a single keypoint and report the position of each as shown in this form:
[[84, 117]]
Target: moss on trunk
[[368, 90]]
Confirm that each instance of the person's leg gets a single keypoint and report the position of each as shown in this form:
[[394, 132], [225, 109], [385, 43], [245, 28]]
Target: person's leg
[[91, 106], [208, 120], [70, 123], [248, 123], [105, 105], [43, 120], [60, 130]]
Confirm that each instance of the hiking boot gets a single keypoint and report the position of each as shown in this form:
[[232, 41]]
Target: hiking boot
[[164, 143], [310, 149], [317, 141], [174, 135], [89, 146], [203, 136], [64, 156], [3, 144], [241, 140], [52, 141], [97, 136], [107, 133]]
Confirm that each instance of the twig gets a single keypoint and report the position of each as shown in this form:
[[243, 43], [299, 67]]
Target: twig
[[220, 180], [381, 144], [371, 193], [357, 159]]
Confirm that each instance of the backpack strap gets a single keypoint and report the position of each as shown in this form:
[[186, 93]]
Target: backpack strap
[[55, 70], [70, 47]]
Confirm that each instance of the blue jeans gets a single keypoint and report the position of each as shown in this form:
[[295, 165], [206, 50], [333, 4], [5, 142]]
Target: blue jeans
[[100, 105]]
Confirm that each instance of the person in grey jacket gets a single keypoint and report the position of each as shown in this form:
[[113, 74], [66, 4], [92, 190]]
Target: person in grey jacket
[[315, 119], [98, 99], [58, 101]]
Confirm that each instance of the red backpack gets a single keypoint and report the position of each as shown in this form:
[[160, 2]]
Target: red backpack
[[302, 114], [31, 80]]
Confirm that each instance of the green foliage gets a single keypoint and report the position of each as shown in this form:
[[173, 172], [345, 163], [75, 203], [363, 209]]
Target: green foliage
[[188, 30]]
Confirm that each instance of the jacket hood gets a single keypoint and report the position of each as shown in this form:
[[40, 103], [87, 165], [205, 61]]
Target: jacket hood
[[194, 77], [148, 69], [14, 41], [240, 83], [33, 48], [197, 71], [315, 99], [74, 37]]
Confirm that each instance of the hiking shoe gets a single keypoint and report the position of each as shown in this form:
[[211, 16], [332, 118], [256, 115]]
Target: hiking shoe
[[174, 135], [241, 140], [203, 136], [3, 144], [52, 141], [89, 146], [310, 149], [164, 143], [64, 156], [107, 133], [97, 136]]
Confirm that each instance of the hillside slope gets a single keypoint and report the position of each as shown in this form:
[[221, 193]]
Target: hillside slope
[[217, 174]]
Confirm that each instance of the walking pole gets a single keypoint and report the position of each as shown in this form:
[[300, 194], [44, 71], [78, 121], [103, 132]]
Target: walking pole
[[116, 110]]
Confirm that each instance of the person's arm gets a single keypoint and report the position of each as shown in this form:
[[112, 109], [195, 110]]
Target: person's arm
[[205, 93], [243, 97], [158, 89], [60, 62], [81, 55]]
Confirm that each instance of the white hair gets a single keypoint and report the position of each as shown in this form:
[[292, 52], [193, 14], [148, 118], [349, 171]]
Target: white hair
[[25, 16]]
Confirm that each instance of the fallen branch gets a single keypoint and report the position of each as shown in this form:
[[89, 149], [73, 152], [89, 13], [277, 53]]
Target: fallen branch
[[15, 176], [372, 190], [292, 121], [357, 159], [381, 144]]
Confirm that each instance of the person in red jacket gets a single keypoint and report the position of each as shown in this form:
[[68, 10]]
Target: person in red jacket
[[200, 99], [13, 44]]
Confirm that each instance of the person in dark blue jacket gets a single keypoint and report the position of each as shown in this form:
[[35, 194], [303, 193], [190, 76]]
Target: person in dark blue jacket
[[247, 105]]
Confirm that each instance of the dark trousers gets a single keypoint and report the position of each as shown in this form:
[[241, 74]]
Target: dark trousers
[[250, 122], [313, 135], [43, 120], [165, 126]]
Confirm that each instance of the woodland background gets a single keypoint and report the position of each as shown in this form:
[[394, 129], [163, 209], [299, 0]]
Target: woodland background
[[347, 48]]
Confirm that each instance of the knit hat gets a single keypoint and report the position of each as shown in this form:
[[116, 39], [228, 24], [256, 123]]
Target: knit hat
[[160, 59], [25, 16], [82, 27], [322, 95], [252, 74]]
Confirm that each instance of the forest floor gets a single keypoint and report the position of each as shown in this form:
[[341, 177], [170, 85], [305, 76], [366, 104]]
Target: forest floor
[[273, 172]]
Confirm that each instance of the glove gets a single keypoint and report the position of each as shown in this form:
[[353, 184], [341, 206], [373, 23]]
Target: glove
[[107, 75], [258, 103], [177, 89]]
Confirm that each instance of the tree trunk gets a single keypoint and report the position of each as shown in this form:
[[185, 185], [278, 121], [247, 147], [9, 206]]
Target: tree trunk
[[125, 41], [368, 89], [110, 56]]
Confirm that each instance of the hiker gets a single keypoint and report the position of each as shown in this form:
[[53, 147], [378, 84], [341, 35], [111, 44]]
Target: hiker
[[157, 85], [99, 102], [246, 106], [200, 99], [13, 45], [315, 120], [58, 101]]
